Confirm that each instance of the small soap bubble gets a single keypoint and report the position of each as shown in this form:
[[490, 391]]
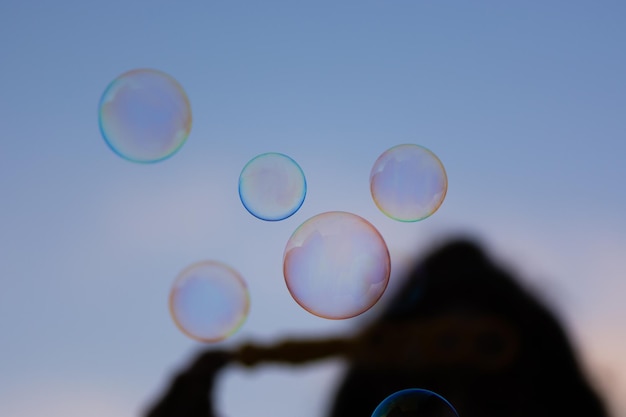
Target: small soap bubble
[[144, 115], [209, 301], [415, 402], [272, 186], [408, 183], [336, 265]]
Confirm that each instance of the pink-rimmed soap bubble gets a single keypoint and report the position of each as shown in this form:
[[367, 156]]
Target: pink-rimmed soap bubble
[[144, 115], [408, 183], [336, 265], [209, 301]]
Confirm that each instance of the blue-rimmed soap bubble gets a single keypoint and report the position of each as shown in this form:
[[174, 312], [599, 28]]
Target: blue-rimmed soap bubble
[[272, 186], [144, 115], [209, 301], [415, 402], [408, 183], [336, 265]]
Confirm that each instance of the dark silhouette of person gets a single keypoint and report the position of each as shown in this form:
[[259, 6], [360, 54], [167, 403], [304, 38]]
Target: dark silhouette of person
[[460, 326]]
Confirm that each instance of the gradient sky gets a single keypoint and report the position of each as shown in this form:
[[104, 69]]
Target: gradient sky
[[523, 102]]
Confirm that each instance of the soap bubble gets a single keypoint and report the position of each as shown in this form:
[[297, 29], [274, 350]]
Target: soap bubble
[[209, 301], [272, 186], [144, 115], [415, 402], [336, 265], [408, 183]]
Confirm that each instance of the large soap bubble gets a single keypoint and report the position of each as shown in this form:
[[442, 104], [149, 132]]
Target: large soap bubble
[[336, 265]]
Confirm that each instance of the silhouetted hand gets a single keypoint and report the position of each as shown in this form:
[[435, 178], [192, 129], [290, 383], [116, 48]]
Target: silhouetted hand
[[190, 393]]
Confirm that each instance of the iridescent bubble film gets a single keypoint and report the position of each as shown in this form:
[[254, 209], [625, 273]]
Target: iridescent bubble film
[[144, 115], [408, 183], [209, 301], [336, 265], [272, 186], [415, 402]]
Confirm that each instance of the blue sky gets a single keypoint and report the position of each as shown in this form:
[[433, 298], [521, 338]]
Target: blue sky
[[523, 102]]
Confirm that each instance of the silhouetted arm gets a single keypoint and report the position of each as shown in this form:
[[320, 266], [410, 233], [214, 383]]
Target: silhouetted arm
[[190, 393]]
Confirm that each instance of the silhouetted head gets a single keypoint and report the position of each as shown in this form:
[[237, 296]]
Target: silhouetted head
[[466, 329]]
